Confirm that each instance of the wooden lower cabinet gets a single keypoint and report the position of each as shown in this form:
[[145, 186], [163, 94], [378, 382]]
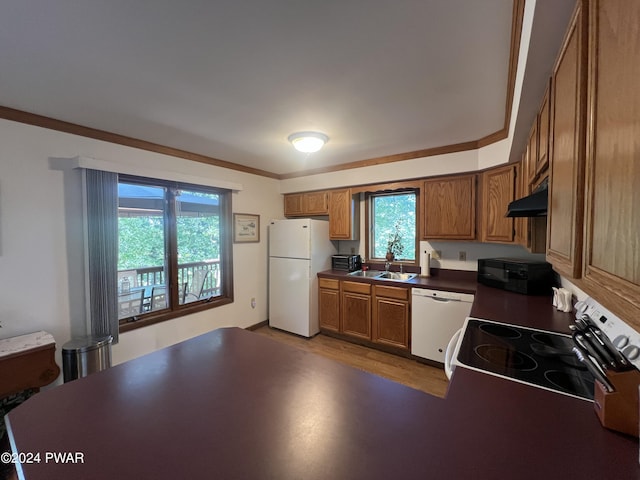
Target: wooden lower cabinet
[[329, 304], [391, 316], [370, 314], [356, 309]]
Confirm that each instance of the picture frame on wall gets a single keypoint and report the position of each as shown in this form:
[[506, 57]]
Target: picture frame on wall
[[246, 228]]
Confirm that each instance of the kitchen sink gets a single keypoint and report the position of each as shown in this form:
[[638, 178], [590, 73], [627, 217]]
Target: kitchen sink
[[366, 273], [397, 276], [401, 277]]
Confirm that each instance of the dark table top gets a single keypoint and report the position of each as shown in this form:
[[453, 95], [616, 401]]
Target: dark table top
[[233, 404]]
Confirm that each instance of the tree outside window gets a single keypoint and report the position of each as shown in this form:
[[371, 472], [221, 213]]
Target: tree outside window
[[172, 254], [393, 226]]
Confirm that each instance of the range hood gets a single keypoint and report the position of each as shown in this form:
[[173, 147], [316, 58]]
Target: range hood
[[534, 205]]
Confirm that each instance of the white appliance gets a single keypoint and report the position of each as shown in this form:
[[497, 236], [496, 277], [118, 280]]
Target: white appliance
[[298, 250], [435, 317]]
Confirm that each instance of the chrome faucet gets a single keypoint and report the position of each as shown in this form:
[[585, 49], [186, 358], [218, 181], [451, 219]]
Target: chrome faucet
[[387, 264], [401, 265]]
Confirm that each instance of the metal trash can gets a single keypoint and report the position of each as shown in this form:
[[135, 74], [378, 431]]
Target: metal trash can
[[85, 355]]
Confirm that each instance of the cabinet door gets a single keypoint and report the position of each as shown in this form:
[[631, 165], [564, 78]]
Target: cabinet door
[[356, 309], [340, 214], [532, 149], [293, 205], [498, 190], [522, 190], [329, 304], [329, 309], [566, 180], [356, 315], [542, 161], [315, 203], [391, 317], [449, 208], [612, 234]]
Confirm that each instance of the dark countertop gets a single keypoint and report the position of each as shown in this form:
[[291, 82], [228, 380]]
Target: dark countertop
[[446, 280], [489, 303], [232, 404]]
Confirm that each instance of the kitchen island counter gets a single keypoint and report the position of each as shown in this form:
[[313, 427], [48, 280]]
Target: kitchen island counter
[[233, 404]]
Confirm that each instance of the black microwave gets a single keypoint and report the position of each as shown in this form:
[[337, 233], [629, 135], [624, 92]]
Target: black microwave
[[529, 277]]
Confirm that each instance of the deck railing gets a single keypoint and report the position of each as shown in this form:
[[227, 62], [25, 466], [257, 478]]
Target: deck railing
[[147, 276]]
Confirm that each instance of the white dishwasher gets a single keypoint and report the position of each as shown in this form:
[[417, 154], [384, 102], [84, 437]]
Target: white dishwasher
[[435, 318]]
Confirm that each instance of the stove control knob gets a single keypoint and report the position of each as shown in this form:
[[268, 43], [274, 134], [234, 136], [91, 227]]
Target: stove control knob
[[581, 308], [621, 341], [631, 352]]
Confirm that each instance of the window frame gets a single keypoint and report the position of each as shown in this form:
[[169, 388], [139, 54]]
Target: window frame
[[176, 309], [369, 226]]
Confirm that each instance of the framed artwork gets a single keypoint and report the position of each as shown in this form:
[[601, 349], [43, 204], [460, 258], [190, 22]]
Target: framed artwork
[[246, 228]]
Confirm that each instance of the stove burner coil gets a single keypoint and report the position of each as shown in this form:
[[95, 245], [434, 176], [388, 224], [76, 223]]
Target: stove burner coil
[[500, 330], [505, 357], [570, 382]]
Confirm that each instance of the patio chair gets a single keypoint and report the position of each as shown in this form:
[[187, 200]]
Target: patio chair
[[158, 298], [130, 304], [195, 287], [131, 275]]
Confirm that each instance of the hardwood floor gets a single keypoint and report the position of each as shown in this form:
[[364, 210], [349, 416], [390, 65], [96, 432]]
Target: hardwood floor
[[402, 370]]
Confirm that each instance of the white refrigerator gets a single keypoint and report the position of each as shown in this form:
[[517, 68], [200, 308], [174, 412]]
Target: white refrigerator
[[298, 250]]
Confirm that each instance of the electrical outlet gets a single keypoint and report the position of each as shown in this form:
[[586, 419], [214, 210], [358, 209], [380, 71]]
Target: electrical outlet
[[353, 250], [253, 302], [436, 254], [462, 256]]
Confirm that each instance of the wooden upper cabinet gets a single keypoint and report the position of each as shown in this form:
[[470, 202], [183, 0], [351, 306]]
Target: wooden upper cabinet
[[293, 205], [544, 117], [532, 151], [449, 208], [522, 190], [498, 190], [612, 233], [316, 203], [566, 180], [342, 215], [306, 204]]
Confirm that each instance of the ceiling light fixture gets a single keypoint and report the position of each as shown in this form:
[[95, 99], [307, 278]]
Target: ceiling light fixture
[[308, 142]]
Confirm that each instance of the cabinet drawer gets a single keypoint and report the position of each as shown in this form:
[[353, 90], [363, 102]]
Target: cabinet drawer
[[356, 287], [329, 283], [392, 292]]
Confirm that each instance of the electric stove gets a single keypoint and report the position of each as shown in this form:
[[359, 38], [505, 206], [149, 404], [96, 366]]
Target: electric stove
[[534, 357]]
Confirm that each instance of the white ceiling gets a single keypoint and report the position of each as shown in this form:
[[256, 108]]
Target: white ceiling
[[232, 79]]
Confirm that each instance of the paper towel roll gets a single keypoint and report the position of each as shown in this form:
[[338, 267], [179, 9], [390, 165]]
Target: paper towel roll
[[425, 263]]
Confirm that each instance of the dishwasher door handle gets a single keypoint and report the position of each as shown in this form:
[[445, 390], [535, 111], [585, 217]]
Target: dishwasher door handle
[[444, 300]]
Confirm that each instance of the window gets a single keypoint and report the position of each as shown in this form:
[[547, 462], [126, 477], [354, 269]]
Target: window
[[174, 249], [393, 226]]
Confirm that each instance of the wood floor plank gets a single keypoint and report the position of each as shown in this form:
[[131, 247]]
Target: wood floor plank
[[406, 371]]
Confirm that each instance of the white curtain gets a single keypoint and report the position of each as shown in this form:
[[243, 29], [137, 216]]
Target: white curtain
[[102, 248]]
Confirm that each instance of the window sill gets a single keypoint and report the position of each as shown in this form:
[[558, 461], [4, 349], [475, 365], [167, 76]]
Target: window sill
[[152, 319]]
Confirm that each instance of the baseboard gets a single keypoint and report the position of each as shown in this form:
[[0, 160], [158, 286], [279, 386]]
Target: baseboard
[[264, 323]]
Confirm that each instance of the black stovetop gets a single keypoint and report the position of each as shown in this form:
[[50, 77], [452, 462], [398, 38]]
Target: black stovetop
[[534, 357]]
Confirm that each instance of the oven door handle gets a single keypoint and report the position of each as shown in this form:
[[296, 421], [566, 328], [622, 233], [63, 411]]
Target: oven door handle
[[449, 354]]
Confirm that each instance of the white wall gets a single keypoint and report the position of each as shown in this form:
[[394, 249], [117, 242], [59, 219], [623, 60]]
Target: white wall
[[40, 229], [41, 241]]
